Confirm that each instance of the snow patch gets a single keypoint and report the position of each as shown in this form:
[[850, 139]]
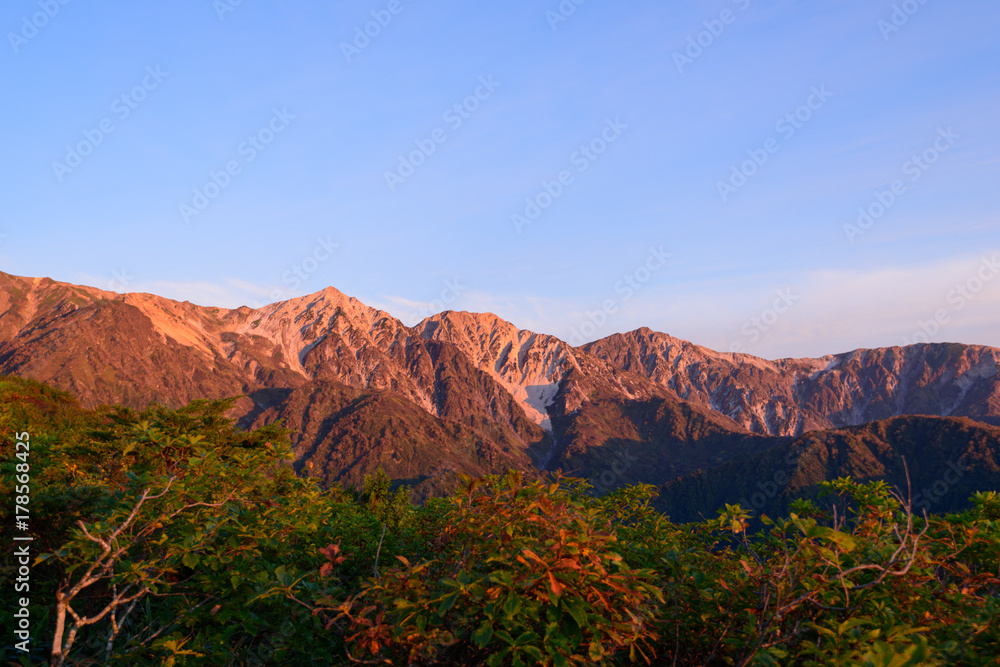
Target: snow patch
[[540, 397]]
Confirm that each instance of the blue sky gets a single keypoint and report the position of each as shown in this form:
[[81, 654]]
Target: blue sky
[[713, 157]]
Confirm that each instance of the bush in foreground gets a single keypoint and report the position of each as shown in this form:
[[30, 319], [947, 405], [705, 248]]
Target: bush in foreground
[[523, 574], [170, 538]]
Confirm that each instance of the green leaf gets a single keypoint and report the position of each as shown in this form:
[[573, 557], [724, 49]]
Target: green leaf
[[596, 651], [577, 608], [526, 637], [501, 577], [845, 541], [447, 603], [560, 660], [481, 637], [512, 606], [284, 578], [534, 652], [505, 637], [554, 637], [850, 623]]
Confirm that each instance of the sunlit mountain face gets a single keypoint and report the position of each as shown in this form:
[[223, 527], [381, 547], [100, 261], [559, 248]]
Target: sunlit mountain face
[[469, 393]]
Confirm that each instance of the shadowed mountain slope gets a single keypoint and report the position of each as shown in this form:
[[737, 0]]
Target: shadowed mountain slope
[[948, 459]]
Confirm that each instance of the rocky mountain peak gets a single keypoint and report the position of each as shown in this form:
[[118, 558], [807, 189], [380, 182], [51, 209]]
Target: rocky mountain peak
[[790, 396], [297, 325], [530, 366], [56, 332]]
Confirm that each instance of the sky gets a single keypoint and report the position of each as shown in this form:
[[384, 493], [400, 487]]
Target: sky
[[779, 178]]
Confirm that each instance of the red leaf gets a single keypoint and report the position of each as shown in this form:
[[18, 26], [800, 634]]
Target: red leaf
[[556, 586]]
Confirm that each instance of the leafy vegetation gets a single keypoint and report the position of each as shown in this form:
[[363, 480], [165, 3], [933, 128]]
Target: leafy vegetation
[[522, 574], [948, 460], [167, 537]]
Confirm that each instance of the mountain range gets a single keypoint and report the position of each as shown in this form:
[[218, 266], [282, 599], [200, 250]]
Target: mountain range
[[469, 393]]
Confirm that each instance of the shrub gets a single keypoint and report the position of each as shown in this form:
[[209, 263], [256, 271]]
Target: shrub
[[525, 574]]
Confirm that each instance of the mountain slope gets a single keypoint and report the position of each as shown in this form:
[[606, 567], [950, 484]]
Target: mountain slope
[[792, 396], [529, 366], [340, 434], [137, 349], [468, 392], [948, 459]]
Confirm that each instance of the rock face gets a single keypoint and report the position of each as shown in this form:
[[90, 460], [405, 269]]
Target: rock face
[[468, 393], [331, 349], [529, 366], [792, 396]]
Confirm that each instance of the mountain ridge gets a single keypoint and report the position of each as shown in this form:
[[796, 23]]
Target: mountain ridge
[[493, 394]]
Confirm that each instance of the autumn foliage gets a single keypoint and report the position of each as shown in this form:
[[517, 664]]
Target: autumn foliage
[[523, 574]]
